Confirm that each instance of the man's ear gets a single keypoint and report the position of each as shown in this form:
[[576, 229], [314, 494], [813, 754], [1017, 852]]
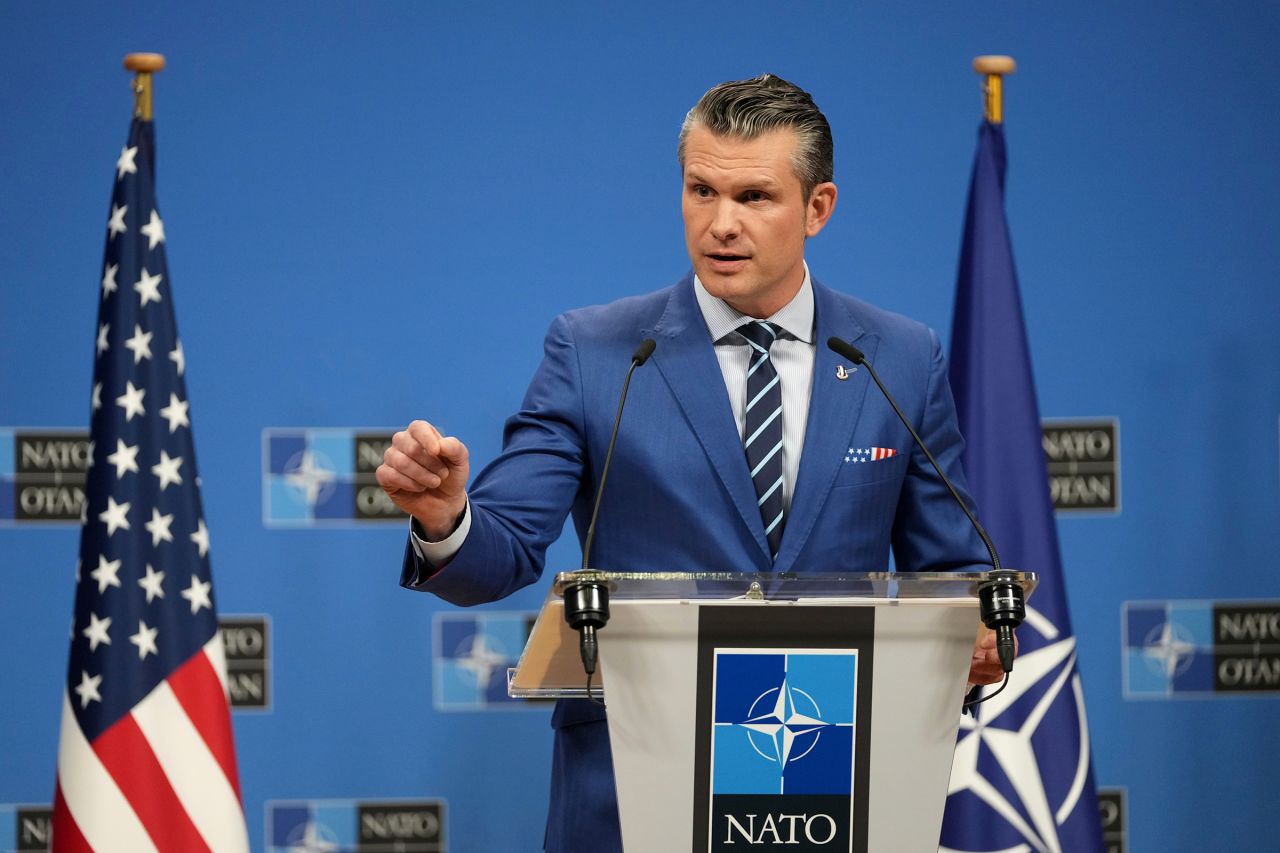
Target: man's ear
[[822, 203]]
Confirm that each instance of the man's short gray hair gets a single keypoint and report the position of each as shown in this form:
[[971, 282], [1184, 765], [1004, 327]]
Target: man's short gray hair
[[745, 109]]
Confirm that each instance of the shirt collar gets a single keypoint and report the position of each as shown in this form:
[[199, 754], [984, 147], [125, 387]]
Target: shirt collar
[[795, 318]]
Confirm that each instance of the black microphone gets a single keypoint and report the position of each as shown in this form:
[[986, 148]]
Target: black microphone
[[1001, 601], [642, 353], [586, 601]]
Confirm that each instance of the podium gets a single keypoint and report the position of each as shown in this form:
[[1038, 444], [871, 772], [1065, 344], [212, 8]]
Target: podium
[[760, 711]]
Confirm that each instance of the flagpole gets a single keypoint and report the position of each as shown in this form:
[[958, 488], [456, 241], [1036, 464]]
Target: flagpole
[[993, 69], [143, 65]]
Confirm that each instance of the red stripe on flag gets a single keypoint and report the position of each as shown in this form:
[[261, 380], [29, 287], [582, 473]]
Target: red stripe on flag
[[199, 691], [67, 837], [126, 753]]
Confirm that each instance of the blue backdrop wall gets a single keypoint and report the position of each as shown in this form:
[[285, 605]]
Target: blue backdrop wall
[[373, 211]]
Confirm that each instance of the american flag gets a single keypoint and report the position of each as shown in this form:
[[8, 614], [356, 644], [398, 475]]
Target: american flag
[[146, 759]]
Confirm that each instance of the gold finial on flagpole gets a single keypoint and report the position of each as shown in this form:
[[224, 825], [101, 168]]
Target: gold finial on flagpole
[[993, 68], [143, 65]]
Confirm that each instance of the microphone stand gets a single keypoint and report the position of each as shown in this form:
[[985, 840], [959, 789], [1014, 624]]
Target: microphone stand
[[586, 599]]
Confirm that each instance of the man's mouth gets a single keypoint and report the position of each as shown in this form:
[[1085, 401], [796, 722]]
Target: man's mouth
[[726, 257]]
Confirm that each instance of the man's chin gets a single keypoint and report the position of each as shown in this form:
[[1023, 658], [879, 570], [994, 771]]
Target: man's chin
[[723, 286], [722, 275], [737, 293]]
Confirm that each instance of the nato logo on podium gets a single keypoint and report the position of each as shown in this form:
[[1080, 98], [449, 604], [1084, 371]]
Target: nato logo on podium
[[783, 746]]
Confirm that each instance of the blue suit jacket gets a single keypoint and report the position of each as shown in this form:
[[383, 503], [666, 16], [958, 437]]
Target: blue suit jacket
[[681, 497]]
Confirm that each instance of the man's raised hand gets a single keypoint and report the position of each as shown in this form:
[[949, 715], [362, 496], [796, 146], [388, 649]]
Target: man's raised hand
[[425, 474]]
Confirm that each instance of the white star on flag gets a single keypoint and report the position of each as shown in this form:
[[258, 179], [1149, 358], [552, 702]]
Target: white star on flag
[[97, 631], [198, 594], [103, 331], [109, 280], [201, 538], [88, 689], [125, 165], [158, 527], [131, 401], [151, 583], [176, 413], [139, 344], [176, 356], [125, 458], [116, 224], [145, 640], [154, 230], [97, 396], [106, 573], [148, 287], [116, 517], [167, 470]]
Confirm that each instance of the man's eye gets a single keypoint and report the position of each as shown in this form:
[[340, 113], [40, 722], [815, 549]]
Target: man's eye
[[702, 191], [755, 195]]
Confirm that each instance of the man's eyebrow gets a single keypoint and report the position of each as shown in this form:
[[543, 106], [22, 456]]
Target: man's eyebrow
[[765, 182], [757, 182]]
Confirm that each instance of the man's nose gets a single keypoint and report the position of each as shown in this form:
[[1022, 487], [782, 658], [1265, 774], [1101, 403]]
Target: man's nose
[[725, 224]]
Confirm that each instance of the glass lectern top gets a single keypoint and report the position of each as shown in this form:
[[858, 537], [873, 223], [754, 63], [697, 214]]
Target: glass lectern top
[[790, 585]]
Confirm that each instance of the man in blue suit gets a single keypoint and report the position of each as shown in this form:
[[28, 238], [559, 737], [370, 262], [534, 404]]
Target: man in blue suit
[[747, 446]]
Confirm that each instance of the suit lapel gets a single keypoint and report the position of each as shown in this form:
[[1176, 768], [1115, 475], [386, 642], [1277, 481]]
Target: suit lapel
[[686, 359], [834, 407]]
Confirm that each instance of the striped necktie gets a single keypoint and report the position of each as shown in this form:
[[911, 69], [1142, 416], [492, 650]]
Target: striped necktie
[[762, 435]]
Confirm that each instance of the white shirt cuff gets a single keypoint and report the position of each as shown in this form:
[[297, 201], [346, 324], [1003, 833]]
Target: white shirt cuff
[[439, 553]]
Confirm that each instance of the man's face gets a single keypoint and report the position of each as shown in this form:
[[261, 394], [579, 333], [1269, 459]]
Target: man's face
[[746, 217]]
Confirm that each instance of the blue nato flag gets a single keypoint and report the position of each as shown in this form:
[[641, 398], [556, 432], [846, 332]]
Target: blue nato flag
[[1023, 773]]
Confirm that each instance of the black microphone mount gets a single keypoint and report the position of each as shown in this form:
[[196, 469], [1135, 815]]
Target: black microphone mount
[[1002, 606]]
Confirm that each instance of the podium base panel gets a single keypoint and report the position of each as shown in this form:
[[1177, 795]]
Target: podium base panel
[[649, 655]]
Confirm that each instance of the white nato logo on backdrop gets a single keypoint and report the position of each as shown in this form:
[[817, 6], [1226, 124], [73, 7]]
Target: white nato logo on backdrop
[[1200, 649], [324, 477], [471, 653], [310, 474], [356, 826]]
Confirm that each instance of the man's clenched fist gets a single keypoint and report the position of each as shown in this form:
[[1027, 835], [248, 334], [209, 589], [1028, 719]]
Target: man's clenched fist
[[425, 474]]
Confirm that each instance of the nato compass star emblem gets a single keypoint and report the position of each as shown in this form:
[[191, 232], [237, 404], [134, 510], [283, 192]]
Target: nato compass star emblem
[[313, 837], [471, 655], [1169, 649], [995, 759], [311, 474], [481, 657], [784, 724]]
